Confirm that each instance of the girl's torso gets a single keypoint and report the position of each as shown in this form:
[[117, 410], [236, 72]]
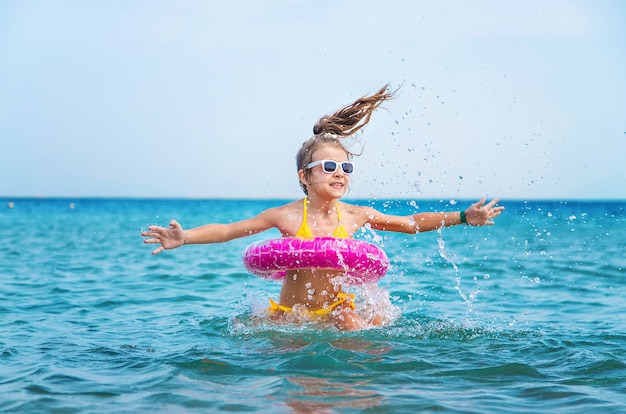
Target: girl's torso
[[315, 288]]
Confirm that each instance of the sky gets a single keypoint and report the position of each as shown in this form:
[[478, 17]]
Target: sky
[[207, 99]]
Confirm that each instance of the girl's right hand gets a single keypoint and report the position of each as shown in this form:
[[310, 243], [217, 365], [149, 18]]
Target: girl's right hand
[[168, 238]]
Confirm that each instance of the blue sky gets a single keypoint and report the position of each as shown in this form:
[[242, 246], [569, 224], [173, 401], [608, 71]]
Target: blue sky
[[153, 98]]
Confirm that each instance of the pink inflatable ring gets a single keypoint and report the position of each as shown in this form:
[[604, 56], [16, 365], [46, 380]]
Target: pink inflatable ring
[[362, 262]]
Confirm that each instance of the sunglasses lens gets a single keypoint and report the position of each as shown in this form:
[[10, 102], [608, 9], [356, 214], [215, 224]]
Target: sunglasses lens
[[347, 167], [329, 166]]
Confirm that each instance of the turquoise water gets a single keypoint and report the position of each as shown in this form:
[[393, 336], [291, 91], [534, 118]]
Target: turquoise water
[[527, 316]]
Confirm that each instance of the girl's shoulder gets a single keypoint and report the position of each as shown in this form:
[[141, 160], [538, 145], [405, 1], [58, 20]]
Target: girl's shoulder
[[355, 209], [286, 208]]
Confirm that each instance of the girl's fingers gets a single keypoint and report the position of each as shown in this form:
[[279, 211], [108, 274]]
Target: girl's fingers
[[480, 203], [152, 231], [492, 202]]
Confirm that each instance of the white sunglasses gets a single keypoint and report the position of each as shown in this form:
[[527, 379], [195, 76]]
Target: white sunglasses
[[330, 166]]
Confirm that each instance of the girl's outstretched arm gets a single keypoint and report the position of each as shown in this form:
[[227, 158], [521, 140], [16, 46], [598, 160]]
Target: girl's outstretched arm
[[174, 236], [478, 214]]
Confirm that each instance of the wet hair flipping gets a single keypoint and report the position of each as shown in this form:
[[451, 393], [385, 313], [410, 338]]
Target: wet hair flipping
[[341, 124]]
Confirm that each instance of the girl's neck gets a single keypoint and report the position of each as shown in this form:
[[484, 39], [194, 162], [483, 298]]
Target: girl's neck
[[320, 204]]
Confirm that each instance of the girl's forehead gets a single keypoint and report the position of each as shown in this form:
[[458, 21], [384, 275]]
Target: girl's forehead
[[330, 152]]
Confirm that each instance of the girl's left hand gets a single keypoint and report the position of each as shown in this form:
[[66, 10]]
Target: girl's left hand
[[481, 214]]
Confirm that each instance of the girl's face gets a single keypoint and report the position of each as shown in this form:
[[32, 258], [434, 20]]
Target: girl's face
[[322, 184]]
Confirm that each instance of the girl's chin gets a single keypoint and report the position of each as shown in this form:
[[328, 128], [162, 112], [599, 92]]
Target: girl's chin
[[339, 193], [329, 195], [333, 192]]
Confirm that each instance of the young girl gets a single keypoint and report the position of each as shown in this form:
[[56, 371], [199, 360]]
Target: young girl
[[324, 170]]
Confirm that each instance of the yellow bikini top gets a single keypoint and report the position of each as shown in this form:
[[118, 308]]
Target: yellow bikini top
[[304, 232]]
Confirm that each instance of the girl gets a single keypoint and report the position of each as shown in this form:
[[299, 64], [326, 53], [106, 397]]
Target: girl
[[324, 170]]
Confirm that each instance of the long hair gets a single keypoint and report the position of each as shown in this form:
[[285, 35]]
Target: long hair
[[345, 122]]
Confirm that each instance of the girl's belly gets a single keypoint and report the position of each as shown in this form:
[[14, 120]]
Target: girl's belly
[[314, 288]]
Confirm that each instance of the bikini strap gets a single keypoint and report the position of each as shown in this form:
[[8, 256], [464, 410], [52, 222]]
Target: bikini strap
[[340, 231], [338, 214], [304, 232]]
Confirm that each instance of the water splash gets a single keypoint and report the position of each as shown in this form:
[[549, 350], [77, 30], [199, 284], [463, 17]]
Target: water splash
[[448, 257], [370, 234], [374, 302]]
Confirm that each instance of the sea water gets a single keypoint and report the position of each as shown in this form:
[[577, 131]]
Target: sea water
[[526, 316]]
